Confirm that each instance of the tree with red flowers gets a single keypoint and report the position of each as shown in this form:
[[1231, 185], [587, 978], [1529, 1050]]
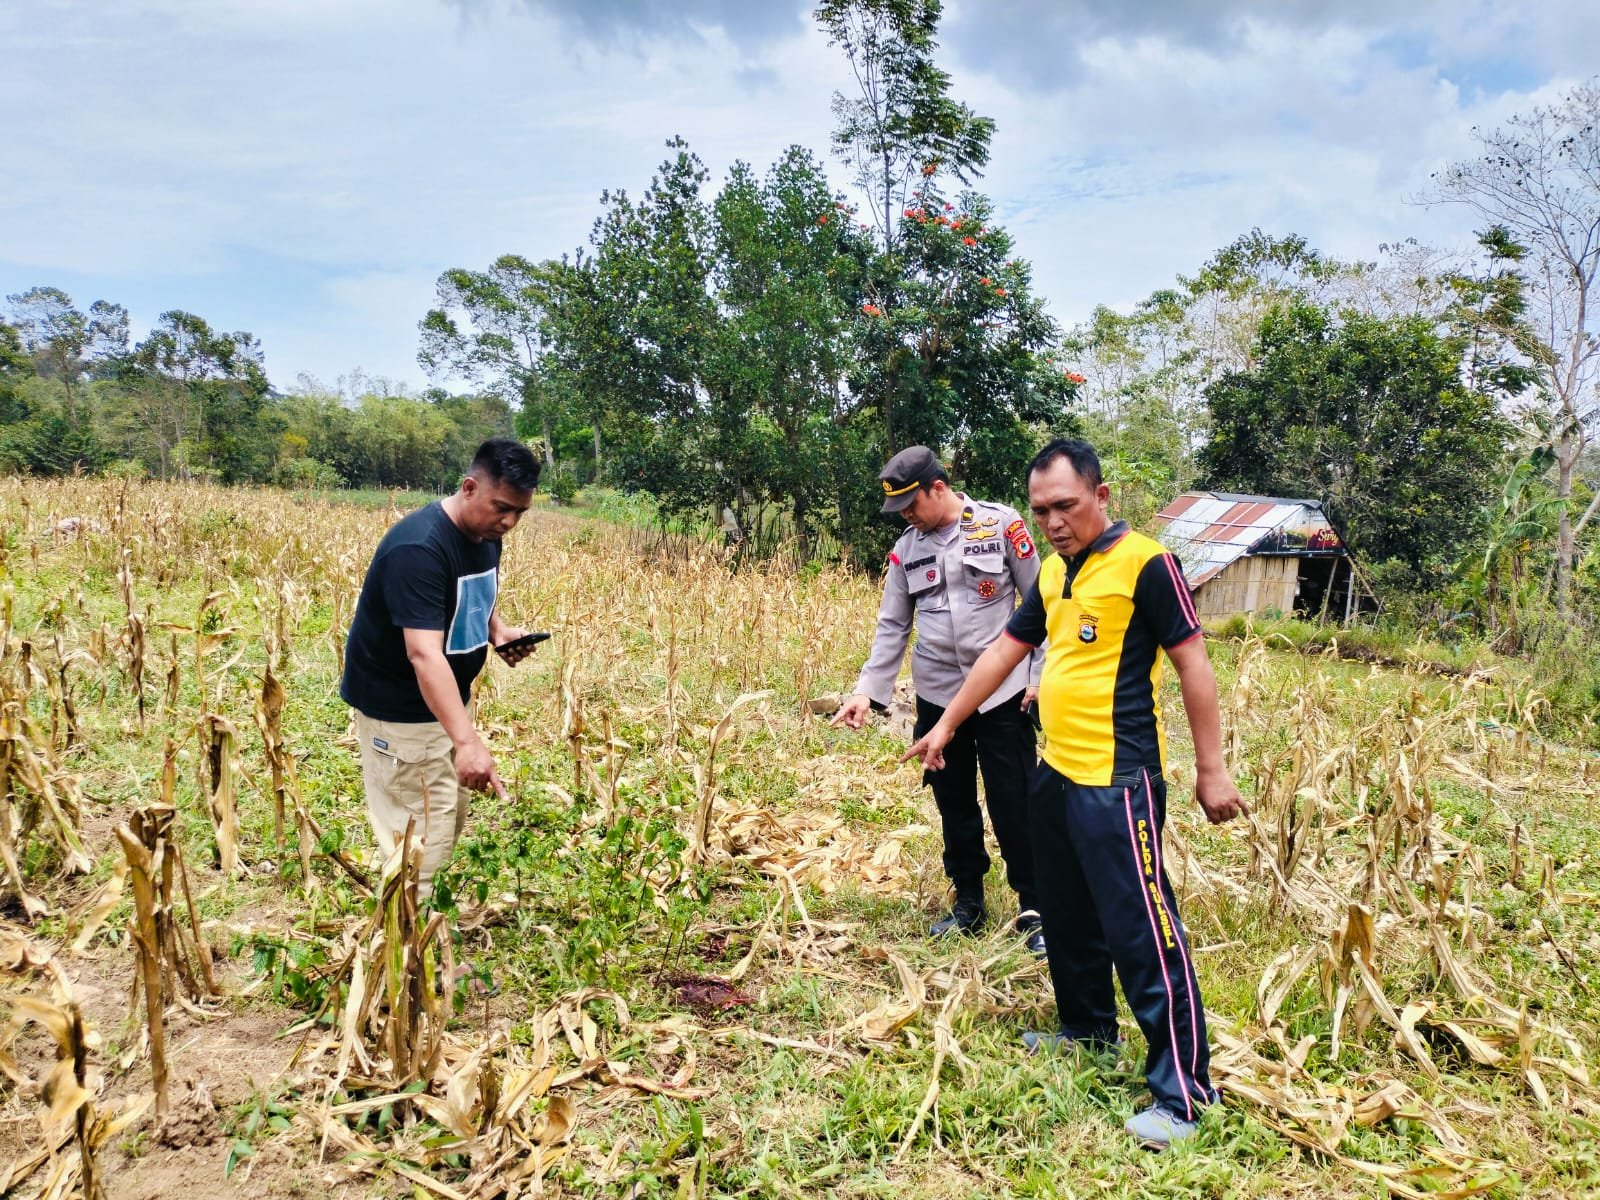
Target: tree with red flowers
[[952, 348], [902, 129], [955, 349]]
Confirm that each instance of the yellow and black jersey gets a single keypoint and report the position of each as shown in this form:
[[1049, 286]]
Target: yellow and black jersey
[[1107, 614]]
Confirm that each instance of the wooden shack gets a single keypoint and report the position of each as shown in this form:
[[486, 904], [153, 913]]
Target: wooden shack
[[1260, 554]]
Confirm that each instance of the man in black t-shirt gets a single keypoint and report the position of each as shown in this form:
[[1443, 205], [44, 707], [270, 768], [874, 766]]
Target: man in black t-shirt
[[421, 633]]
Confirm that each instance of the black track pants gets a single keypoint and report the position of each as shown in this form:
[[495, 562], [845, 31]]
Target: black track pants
[[1001, 744], [1106, 901]]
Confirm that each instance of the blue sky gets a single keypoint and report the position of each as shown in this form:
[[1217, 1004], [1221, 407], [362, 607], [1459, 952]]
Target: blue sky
[[305, 169]]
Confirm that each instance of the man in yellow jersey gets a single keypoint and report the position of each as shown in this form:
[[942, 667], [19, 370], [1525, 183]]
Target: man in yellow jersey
[[1108, 603]]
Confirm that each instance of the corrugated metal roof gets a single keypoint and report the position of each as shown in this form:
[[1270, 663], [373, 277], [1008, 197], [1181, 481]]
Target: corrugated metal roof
[[1210, 530]]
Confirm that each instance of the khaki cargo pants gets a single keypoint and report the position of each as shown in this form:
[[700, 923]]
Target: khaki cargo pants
[[409, 770]]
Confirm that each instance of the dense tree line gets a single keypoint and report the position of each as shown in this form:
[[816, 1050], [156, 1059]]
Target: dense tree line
[[191, 402]]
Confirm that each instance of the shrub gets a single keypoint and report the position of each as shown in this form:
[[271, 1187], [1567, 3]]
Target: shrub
[[306, 473], [562, 483]]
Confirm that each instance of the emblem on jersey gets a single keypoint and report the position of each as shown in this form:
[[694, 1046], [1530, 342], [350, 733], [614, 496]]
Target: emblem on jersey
[[1086, 627], [932, 575], [990, 521], [987, 589], [979, 533], [967, 514], [1015, 529]]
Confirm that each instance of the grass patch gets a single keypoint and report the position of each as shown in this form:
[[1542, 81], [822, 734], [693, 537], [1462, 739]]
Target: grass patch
[[1438, 802]]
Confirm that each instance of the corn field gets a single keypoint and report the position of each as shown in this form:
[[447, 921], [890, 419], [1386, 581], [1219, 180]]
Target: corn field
[[687, 957]]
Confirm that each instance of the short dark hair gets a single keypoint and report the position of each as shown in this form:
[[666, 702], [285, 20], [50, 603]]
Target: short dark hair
[[508, 461], [1085, 462]]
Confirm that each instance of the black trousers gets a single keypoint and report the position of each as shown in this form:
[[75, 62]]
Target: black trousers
[[1001, 744], [1105, 901]]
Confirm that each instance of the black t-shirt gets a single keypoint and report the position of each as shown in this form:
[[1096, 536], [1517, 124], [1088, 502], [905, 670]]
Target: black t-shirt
[[425, 574]]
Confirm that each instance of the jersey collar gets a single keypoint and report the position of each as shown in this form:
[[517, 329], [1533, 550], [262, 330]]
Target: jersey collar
[[1114, 533]]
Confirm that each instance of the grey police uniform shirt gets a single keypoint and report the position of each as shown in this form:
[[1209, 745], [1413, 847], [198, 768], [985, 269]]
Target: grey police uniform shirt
[[959, 586]]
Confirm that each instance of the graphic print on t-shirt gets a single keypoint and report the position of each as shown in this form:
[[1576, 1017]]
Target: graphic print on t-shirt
[[474, 602]]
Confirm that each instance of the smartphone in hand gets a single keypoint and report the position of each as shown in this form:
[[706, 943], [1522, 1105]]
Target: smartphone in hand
[[522, 644]]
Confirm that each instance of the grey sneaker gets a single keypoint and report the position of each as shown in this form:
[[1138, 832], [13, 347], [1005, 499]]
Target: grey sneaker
[[1036, 1041], [1156, 1129]]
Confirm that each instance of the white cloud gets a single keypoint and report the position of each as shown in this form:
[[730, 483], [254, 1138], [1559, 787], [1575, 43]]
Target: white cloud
[[305, 169]]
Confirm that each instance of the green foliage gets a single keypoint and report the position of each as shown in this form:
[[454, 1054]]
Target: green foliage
[[561, 483], [305, 473], [762, 352], [193, 402], [1536, 181], [1368, 415], [903, 128], [495, 326], [955, 350], [606, 888]]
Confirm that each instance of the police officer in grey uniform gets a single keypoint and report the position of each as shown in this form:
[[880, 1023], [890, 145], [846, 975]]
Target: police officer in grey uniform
[[957, 573]]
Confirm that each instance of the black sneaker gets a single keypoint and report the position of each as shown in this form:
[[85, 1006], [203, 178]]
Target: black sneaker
[[1031, 926], [967, 915]]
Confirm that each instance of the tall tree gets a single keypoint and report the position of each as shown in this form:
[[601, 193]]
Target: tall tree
[[902, 127], [1538, 177], [198, 397], [955, 351], [64, 341], [493, 326], [787, 273], [1370, 416], [636, 327], [14, 368], [951, 348]]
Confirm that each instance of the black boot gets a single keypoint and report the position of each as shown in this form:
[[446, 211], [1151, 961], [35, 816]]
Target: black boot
[[967, 914], [1031, 927]]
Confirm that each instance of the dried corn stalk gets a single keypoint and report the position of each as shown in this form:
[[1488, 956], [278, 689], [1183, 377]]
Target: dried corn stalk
[[174, 961], [221, 796], [68, 1089]]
